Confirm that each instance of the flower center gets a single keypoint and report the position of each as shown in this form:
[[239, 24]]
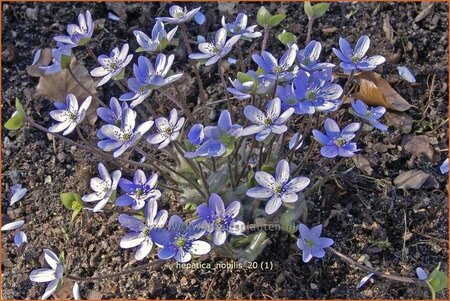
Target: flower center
[[368, 114], [278, 189], [267, 122], [118, 122], [227, 139], [178, 14], [237, 29], [126, 136], [310, 95], [306, 61], [340, 142], [309, 243], [278, 69], [180, 242], [355, 59], [146, 231]]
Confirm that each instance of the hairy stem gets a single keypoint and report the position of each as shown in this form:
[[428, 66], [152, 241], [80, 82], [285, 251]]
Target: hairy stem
[[265, 39], [310, 29], [182, 105], [224, 85]]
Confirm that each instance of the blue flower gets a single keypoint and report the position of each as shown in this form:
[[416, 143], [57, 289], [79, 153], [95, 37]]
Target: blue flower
[[308, 58], [337, 142], [444, 167], [356, 59], [17, 193], [213, 51], [311, 243], [54, 274], [196, 137], [79, 34], [265, 124], [239, 27], [220, 138], [371, 115], [168, 130], [279, 188], [288, 99], [140, 231], [149, 77], [315, 92], [250, 83], [103, 187], [112, 65], [159, 40], [277, 70], [138, 192], [180, 242], [70, 115], [179, 15], [119, 139], [220, 220], [111, 115], [58, 54]]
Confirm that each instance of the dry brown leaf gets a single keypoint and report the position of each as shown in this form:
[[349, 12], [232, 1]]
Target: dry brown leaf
[[65, 292], [388, 30], [56, 86], [45, 59], [418, 146], [375, 90], [428, 8], [362, 164], [411, 179], [329, 30]]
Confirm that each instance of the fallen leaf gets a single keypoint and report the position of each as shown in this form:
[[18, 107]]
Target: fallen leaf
[[411, 179], [44, 59], [399, 120], [425, 12], [65, 291], [375, 90], [418, 146], [362, 164], [329, 30], [388, 30], [56, 86]]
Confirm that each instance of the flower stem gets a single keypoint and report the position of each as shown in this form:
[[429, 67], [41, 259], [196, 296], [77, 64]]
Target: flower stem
[[230, 172], [310, 29], [202, 92], [182, 105], [265, 39], [224, 85]]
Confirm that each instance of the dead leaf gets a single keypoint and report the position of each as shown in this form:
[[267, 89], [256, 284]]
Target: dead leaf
[[227, 7], [329, 30], [425, 12], [411, 179], [94, 295], [418, 146], [362, 164], [65, 291], [375, 90], [388, 30], [56, 86], [399, 120]]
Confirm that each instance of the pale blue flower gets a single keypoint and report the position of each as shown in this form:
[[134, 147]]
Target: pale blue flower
[[278, 189], [311, 243], [79, 34], [168, 130], [308, 57], [54, 274], [248, 84], [179, 15], [159, 39], [279, 70], [112, 65], [140, 231], [70, 115], [58, 54], [371, 115], [139, 191], [239, 27]]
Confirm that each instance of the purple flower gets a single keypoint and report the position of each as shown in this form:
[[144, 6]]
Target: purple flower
[[337, 142], [315, 92], [20, 237], [308, 57], [58, 54], [356, 59], [279, 188], [70, 115], [444, 167], [112, 65], [17, 193], [168, 130], [138, 192], [220, 220], [213, 51], [149, 77], [239, 27], [103, 187], [288, 99], [369, 114], [179, 15], [180, 242], [421, 274], [159, 40], [311, 243], [79, 34], [248, 84], [196, 137], [220, 138], [119, 139], [277, 70], [265, 124], [54, 274], [113, 114], [140, 231]]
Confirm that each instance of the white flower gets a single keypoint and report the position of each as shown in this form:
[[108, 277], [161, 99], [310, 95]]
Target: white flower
[[52, 275], [70, 115], [112, 65]]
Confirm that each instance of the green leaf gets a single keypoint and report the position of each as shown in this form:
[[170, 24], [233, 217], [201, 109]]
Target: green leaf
[[190, 206], [65, 61], [308, 9], [320, 9], [438, 280], [287, 38], [83, 41], [75, 214], [287, 222], [120, 75], [139, 49], [162, 44], [263, 16], [19, 107], [275, 20], [268, 168], [67, 199], [15, 122], [244, 77]]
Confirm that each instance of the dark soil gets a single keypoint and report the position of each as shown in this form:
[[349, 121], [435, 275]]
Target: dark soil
[[365, 215]]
